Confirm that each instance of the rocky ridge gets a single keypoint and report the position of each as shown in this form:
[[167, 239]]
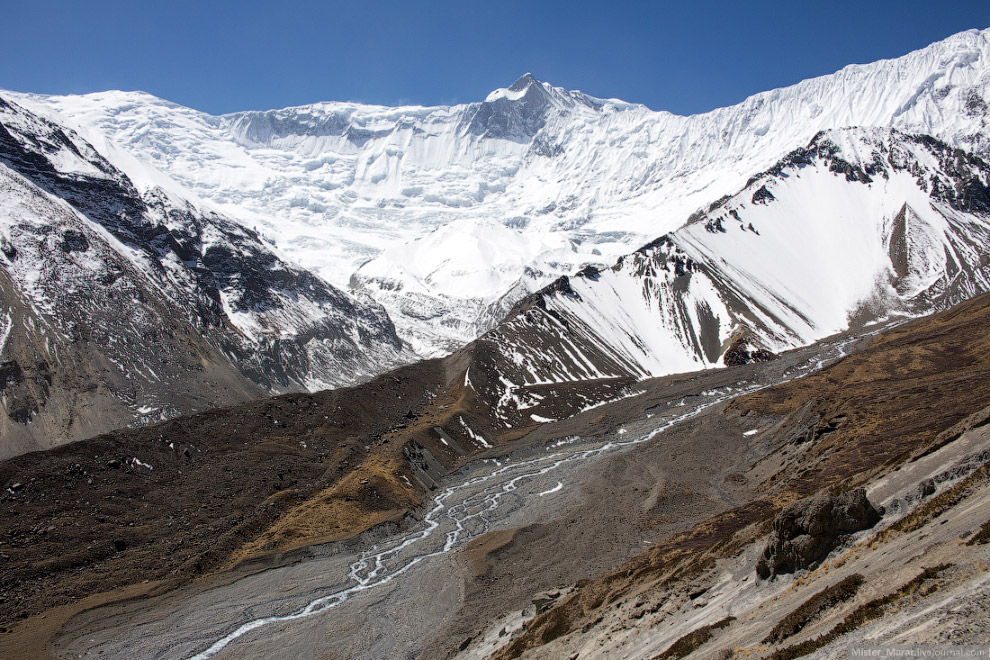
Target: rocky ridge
[[123, 306], [902, 232]]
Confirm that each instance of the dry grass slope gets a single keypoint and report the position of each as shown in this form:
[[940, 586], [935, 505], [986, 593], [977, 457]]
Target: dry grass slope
[[897, 397]]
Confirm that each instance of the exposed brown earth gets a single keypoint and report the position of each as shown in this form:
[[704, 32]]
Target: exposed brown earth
[[843, 427], [619, 509], [325, 467], [183, 499], [88, 519]]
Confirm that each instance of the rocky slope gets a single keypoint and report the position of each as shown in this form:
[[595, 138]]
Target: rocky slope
[[122, 306], [477, 206], [561, 178], [864, 487], [328, 466]]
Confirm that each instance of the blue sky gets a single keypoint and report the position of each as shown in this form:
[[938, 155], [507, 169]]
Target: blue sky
[[224, 56]]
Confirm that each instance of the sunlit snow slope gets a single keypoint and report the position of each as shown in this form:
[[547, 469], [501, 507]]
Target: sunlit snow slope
[[859, 225], [547, 179]]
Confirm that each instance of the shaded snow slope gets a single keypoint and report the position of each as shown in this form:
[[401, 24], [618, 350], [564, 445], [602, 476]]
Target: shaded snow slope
[[574, 179]]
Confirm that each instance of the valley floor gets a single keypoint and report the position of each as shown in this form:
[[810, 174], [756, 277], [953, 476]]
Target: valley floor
[[632, 530]]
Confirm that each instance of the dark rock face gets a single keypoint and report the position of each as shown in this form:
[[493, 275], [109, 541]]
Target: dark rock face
[[742, 351], [522, 116], [715, 225], [589, 271], [563, 286], [763, 196], [807, 530], [518, 119], [74, 241]]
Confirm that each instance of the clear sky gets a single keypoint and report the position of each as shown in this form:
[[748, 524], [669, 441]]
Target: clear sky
[[222, 56]]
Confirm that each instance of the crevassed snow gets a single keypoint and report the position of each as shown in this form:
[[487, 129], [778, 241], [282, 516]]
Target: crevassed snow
[[350, 190]]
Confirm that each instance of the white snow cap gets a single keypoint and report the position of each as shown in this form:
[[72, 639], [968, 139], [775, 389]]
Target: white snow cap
[[338, 185]]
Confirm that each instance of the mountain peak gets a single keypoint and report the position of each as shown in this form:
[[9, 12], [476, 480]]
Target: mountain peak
[[522, 87], [524, 81]]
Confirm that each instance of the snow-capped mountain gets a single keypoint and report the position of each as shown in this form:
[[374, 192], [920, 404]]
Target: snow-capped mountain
[[858, 226], [351, 191], [133, 226], [118, 304]]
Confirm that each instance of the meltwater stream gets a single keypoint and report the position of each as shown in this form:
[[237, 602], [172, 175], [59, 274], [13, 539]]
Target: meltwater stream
[[463, 511]]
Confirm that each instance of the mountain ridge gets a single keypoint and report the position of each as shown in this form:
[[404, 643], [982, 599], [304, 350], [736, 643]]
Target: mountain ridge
[[606, 179], [488, 224], [125, 306], [901, 231]]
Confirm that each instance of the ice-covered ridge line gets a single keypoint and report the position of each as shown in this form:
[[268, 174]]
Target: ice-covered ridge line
[[350, 190]]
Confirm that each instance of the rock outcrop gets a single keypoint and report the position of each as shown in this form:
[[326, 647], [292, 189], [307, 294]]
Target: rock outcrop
[[743, 351], [807, 530]]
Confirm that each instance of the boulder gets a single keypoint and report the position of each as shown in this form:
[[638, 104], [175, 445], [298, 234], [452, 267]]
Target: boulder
[[743, 351], [807, 530]]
